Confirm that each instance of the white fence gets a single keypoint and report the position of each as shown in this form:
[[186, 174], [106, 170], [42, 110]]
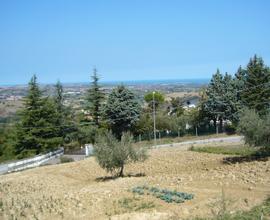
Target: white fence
[[29, 163]]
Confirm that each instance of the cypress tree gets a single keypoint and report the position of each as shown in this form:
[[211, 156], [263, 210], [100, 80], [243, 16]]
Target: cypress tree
[[95, 97], [60, 108]]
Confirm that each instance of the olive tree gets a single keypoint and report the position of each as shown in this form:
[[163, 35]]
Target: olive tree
[[112, 154], [255, 128]]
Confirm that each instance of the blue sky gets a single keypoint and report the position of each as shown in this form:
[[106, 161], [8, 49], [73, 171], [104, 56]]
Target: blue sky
[[129, 39]]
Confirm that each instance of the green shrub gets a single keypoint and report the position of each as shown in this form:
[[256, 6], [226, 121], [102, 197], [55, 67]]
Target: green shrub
[[230, 129], [255, 128]]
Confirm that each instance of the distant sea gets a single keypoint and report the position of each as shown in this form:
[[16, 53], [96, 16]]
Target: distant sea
[[162, 81], [131, 82]]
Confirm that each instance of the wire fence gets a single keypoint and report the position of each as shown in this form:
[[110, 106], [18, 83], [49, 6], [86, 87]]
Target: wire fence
[[196, 131]]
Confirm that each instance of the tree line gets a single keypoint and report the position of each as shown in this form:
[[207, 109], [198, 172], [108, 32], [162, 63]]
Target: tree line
[[46, 123]]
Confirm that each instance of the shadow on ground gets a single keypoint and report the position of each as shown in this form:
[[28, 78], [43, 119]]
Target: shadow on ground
[[262, 155], [108, 178]]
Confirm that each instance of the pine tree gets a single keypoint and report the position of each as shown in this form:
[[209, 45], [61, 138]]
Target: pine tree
[[59, 98], [215, 105], [230, 98], [238, 85], [95, 97], [220, 103], [37, 131], [256, 91], [60, 108], [64, 120], [122, 110], [240, 79]]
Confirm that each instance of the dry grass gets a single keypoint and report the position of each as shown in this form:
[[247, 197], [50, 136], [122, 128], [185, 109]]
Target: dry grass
[[76, 191]]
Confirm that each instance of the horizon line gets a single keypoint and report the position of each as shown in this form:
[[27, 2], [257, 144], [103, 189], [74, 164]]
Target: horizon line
[[116, 81]]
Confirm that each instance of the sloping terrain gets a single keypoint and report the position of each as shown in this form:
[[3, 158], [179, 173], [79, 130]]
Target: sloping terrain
[[79, 190]]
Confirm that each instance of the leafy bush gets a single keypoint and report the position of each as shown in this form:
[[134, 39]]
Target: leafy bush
[[112, 154], [256, 129], [230, 129], [163, 194]]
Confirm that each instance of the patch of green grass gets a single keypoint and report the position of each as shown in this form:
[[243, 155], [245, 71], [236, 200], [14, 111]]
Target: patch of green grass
[[134, 204], [129, 204], [258, 212], [229, 150]]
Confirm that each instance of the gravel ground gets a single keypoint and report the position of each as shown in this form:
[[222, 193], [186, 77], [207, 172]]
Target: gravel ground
[[80, 190]]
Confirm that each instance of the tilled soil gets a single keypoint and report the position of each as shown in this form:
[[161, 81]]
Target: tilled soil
[[79, 190]]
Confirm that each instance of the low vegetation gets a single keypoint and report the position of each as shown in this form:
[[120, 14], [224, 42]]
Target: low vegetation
[[261, 211], [163, 194], [241, 150]]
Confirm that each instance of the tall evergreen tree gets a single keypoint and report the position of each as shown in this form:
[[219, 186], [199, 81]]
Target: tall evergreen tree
[[230, 98], [215, 105], [240, 79], [95, 97], [37, 130], [220, 103], [256, 91], [122, 110], [59, 98], [238, 85], [62, 119]]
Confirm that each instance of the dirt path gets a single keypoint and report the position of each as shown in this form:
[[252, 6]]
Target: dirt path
[[75, 191]]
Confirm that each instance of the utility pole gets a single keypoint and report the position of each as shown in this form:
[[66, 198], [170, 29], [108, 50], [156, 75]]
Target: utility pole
[[154, 119], [217, 124]]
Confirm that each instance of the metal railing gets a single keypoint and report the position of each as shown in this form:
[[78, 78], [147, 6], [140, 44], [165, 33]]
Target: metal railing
[[29, 163]]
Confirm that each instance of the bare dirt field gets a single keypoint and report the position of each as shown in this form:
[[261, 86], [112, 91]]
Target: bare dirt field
[[77, 190], [180, 95]]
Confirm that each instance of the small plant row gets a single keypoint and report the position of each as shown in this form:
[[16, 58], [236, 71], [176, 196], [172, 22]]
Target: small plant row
[[163, 194]]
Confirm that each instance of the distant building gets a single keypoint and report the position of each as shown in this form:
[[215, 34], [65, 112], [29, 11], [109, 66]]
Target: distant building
[[190, 102]]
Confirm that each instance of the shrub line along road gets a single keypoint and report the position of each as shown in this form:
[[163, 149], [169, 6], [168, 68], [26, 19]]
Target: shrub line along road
[[186, 144]]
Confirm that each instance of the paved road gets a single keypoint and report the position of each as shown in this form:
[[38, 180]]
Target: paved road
[[186, 144]]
